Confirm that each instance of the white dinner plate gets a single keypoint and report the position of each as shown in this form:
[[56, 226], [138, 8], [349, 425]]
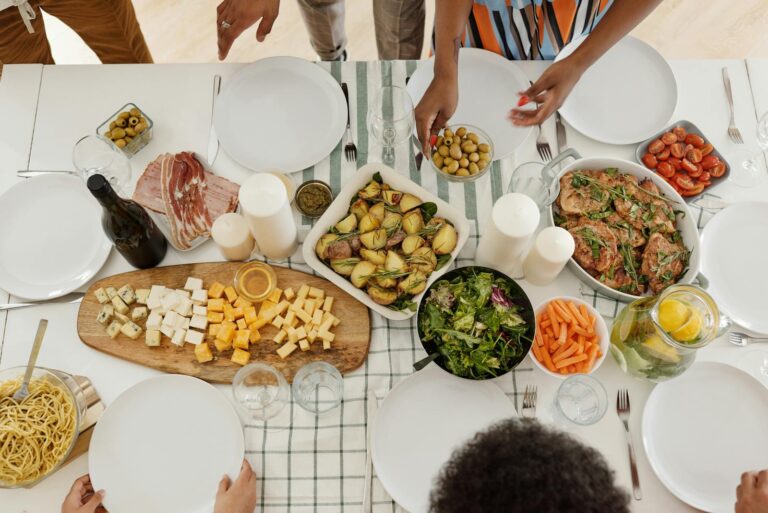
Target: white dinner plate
[[163, 445], [51, 239], [734, 249], [625, 97], [280, 113], [703, 429], [419, 424], [488, 87]]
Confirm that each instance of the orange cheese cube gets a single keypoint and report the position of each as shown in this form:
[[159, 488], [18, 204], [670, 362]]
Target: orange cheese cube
[[216, 305], [216, 290], [242, 339], [275, 295], [241, 356], [231, 294], [249, 314], [243, 303], [203, 353], [215, 317], [255, 336]]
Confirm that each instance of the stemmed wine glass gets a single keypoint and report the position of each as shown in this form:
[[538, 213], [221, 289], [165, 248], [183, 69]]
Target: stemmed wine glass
[[748, 172], [94, 154], [390, 119]]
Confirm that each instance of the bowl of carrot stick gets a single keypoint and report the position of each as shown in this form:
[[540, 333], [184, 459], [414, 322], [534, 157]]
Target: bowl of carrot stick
[[571, 337]]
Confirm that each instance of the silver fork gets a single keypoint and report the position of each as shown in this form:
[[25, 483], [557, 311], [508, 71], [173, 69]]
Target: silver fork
[[733, 132], [529, 401], [742, 339], [350, 150], [542, 146], [622, 409]]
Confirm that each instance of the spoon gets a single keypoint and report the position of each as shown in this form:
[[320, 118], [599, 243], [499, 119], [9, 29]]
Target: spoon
[[425, 361], [23, 392]]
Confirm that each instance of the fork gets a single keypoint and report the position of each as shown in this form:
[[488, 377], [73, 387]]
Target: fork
[[350, 150], [622, 409], [529, 401], [542, 145], [733, 132], [742, 339]]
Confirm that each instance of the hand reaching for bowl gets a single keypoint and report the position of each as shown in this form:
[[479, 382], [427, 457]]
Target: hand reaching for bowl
[[82, 499], [435, 109], [233, 17], [237, 497], [549, 92], [752, 493]]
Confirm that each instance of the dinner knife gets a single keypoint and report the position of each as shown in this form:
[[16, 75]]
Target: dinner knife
[[373, 406], [28, 173], [213, 141], [69, 298], [562, 142]]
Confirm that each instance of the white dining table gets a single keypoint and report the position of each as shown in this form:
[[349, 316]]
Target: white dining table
[[53, 106]]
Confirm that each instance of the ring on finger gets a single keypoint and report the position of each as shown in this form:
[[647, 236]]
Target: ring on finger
[[225, 24]]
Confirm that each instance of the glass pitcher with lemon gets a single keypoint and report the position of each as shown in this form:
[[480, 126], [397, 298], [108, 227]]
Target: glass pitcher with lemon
[[656, 338]]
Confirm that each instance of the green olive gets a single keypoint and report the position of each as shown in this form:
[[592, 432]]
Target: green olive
[[444, 169], [133, 121], [128, 139], [485, 156], [462, 172], [455, 151], [120, 143], [448, 141], [482, 164], [473, 169], [453, 167], [464, 162], [461, 131], [473, 137], [135, 112], [122, 122], [124, 115], [117, 133], [484, 148], [129, 131], [443, 151], [439, 141], [140, 128], [448, 133], [447, 161], [437, 159], [112, 125], [474, 157]]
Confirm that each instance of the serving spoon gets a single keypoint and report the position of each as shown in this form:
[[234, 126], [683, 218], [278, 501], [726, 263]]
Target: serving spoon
[[23, 392], [425, 361]]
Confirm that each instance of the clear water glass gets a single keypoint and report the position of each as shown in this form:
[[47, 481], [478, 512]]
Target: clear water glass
[[745, 170], [536, 181], [94, 154], [581, 399], [318, 387], [390, 120], [260, 391]]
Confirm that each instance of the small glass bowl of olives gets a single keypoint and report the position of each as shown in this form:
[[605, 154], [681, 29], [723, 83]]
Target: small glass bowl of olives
[[130, 129], [461, 153]]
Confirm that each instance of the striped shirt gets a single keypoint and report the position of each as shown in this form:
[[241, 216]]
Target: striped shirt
[[530, 29]]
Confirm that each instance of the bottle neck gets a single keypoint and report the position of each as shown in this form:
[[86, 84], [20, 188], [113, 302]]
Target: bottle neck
[[104, 193]]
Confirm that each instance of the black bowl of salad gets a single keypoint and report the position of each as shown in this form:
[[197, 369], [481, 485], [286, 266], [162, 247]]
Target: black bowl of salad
[[479, 320]]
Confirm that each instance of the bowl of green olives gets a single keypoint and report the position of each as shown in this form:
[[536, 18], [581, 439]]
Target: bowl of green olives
[[461, 153], [130, 129]]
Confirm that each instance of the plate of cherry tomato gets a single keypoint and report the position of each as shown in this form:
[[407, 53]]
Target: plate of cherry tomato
[[685, 159]]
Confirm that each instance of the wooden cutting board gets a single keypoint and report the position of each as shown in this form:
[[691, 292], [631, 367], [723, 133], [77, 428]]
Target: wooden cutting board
[[348, 352]]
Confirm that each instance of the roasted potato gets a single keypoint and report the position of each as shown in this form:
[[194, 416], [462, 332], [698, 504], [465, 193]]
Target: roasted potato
[[409, 202], [321, 248], [413, 222], [423, 259], [346, 225], [368, 223], [392, 221], [413, 284], [359, 208], [361, 273], [376, 256], [391, 197], [382, 296], [445, 240], [375, 239], [344, 266], [371, 191], [394, 262], [377, 211], [411, 243]]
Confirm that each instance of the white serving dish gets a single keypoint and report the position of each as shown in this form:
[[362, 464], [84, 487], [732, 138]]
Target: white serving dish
[[338, 210], [685, 222]]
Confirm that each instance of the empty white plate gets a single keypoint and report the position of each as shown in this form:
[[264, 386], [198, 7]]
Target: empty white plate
[[488, 86], [51, 239], [163, 445], [419, 424], [280, 113], [703, 429], [625, 97], [734, 248]]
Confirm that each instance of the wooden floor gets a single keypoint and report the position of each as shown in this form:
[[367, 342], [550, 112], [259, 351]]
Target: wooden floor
[[185, 31]]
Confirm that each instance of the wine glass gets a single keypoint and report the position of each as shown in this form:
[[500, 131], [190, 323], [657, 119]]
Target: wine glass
[[747, 173], [390, 119], [261, 391], [94, 154]]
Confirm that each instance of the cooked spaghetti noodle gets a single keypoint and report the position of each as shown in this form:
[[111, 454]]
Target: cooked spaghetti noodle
[[36, 433]]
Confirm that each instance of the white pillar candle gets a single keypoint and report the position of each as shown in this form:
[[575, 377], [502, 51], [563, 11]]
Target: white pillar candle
[[549, 254], [513, 221], [265, 205], [232, 235]]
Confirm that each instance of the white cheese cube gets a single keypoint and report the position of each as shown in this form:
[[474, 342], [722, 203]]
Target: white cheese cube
[[168, 331], [122, 318], [139, 313], [184, 306], [152, 338], [184, 293], [157, 292], [111, 292], [182, 323], [154, 303], [199, 321], [193, 284], [200, 296], [170, 301], [170, 319], [303, 344], [141, 296], [193, 337], [101, 296], [113, 329], [199, 310], [119, 304], [178, 337], [154, 321], [127, 294], [131, 330], [105, 314]]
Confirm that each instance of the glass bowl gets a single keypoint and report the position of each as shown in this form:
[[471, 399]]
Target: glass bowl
[[69, 385], [484, 138], [139, 141], [255, 281]]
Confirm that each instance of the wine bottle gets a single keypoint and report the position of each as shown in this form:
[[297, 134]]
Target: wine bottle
[[128, 226]]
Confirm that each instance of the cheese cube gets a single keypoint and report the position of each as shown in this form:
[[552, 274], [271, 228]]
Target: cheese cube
[[304, 316], [216, 305], [193, 284], [292, 337], [105, 314], [139, 313], [184, 306], [231, 294], [119, 305], [193, 337], [240, 356], [168, 331], [152, 338], [222, 345], [309, 306], [171, 319], [277, 322], [316, 293], [280, 337], [170, 301], [200, 296], [328, 304], [312, 336], [289, 317], [182, 323], [243, 303], [326, 345], [111, 292], [215, 317], [122, 318], [255, 336], [216, 290], [258, 324], [199, 321], [101, 296], [303, 344], [301, 333], [127, 294], [184, 293], [141, 296], [249, 314], [238, 312], [286, 350], [226, 333], [303, 291], [203, 353], [178, 337], [289, 294], [336, 321], [113, 329], [265, 306], [241, 324], [242, 338], [298, 304], [269, 314], [154, 303], [158, 291], [326, 335], [154, 321], [317, 318], [199, 310], [229, 312], [294, 322], [326, 325], [213, 329], [282, 307], [131, 330], [275, 295]]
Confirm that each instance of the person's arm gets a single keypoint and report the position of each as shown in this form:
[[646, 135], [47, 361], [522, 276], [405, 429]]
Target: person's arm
[[233, 17], [82, 498], [556, 83], [441, 97], [752, 493], [237, 497]]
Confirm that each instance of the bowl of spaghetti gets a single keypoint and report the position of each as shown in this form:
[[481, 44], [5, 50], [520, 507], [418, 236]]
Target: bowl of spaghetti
[[38, 433]]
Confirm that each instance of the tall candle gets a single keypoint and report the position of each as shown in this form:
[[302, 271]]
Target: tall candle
[[549, 254], [265, 205], [513, 221], [232, 235]]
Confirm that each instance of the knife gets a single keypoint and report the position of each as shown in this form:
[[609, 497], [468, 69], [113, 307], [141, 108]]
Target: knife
[[562, 142], [213, 141], [28, 173], [69, 298], [373, 406]]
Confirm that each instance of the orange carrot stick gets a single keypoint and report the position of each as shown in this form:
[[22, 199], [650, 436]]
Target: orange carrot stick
[[553, 318], [570, 361], [577, 315], [548, 360], [592, 356], [562, 310], [564, 353]]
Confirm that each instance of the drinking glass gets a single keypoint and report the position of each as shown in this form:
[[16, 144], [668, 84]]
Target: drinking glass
[[260, 391], [535, 180], [95, 154], [747, 171], [318, 387], [390, 119], [581, 399]]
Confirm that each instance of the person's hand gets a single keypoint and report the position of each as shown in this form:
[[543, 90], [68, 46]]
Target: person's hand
[[435, 109], [752, 493], [237, 497], [549, 92], [240, 15], [82, 499]]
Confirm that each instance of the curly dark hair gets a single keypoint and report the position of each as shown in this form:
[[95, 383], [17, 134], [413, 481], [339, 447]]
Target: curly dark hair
[[519, 466]]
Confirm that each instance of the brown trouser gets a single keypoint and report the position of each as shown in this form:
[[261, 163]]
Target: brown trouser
[[399, 27], [109, 27]]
